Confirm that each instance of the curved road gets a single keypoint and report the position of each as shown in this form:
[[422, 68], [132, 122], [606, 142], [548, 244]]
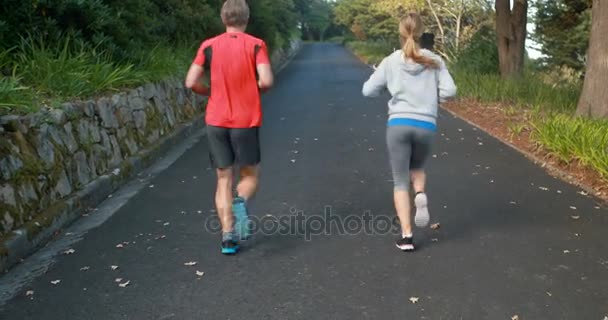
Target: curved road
[[513, 240]]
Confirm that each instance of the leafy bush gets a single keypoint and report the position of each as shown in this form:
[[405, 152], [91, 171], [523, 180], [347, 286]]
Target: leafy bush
[[578, 139], [481, 54]]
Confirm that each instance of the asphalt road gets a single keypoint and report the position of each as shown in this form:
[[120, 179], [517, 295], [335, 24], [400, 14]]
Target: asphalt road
[[513, 240]]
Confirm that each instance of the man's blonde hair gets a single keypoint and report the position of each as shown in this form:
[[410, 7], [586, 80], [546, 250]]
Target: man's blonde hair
[[235, 13]]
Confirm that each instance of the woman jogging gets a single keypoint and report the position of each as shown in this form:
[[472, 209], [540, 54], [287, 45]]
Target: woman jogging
[[417, 80]]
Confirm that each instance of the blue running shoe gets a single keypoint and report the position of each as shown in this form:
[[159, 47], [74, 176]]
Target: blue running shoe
[[241, 217], [230, 247]]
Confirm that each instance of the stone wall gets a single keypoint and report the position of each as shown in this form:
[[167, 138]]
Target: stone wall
[[47, 156]]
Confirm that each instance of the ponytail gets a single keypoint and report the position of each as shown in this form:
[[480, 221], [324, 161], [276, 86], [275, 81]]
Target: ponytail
[[410, 30]]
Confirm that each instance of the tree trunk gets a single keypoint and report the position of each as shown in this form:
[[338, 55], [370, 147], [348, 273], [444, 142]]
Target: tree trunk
[[511, 36], [594, 99]]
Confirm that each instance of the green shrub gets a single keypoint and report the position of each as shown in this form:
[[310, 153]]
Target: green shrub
[[578, 139], [480, 56], [529, 90]]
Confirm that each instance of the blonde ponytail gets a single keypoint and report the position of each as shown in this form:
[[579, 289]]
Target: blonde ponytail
[[410, 30]]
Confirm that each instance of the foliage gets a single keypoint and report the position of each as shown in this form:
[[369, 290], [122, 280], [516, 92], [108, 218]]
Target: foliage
[[453, 22], [51, 50], [578, 139], [373, 52], [562, 31], [528, 91], [480, 56]]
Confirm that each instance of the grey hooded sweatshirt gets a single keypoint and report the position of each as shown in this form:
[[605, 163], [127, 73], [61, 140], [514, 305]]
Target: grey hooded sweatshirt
[[416, 90]]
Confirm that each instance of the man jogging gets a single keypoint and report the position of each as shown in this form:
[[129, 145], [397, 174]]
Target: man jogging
[[239, 69]]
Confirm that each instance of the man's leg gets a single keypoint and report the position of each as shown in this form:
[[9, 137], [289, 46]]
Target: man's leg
[[223, 199], [248, 183], [246, 143], [222, 158]]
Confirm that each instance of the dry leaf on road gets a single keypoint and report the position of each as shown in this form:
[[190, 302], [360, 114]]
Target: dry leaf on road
[[436, 226], [200, 273], [190, 264], [85, 268], [29, 293], [414, 300], [515, 317], [68, 252], [124, 285], [55, 282], [575, 217], [118, 280], [114, 268]]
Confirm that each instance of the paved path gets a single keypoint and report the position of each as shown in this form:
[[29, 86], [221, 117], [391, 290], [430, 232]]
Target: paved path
[[508, 244]]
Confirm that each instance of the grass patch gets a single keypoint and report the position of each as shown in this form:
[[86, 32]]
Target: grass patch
[[371, 51], [527, 91], [574, 139], [44, 74]]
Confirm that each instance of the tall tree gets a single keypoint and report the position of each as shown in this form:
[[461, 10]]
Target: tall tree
[[511, 36], [594, 99], [562, 31]]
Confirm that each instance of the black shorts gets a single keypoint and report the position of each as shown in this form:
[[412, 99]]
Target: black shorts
[[229, 146]]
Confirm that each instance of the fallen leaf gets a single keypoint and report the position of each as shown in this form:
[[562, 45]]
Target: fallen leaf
[[370, 149], [414, 300], [29, 293], [200, 273], [513, 202], [293, 160], [549, 294], [68, 252], [124, 285], [573, 207], [577, 234], [151, 186], [199, 211], [166, 224], [69, 234], [120, 245], [559, 191], [189, 264], [597, 208], [575, 217], [436, 226], [583, 193], [117, 280], [86, 268], [544, 188], [316, 139], [55, 282], [114, 268], [566, 251], [435, 240], [515, 317]]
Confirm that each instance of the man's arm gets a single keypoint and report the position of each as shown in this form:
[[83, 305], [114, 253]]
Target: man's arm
[[193, 80], [266, 78]]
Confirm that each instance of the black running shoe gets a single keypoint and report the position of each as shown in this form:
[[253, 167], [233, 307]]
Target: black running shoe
[[405, 244]]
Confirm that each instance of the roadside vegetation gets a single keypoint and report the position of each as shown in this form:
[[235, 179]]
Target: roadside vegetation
[[53, 51]]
